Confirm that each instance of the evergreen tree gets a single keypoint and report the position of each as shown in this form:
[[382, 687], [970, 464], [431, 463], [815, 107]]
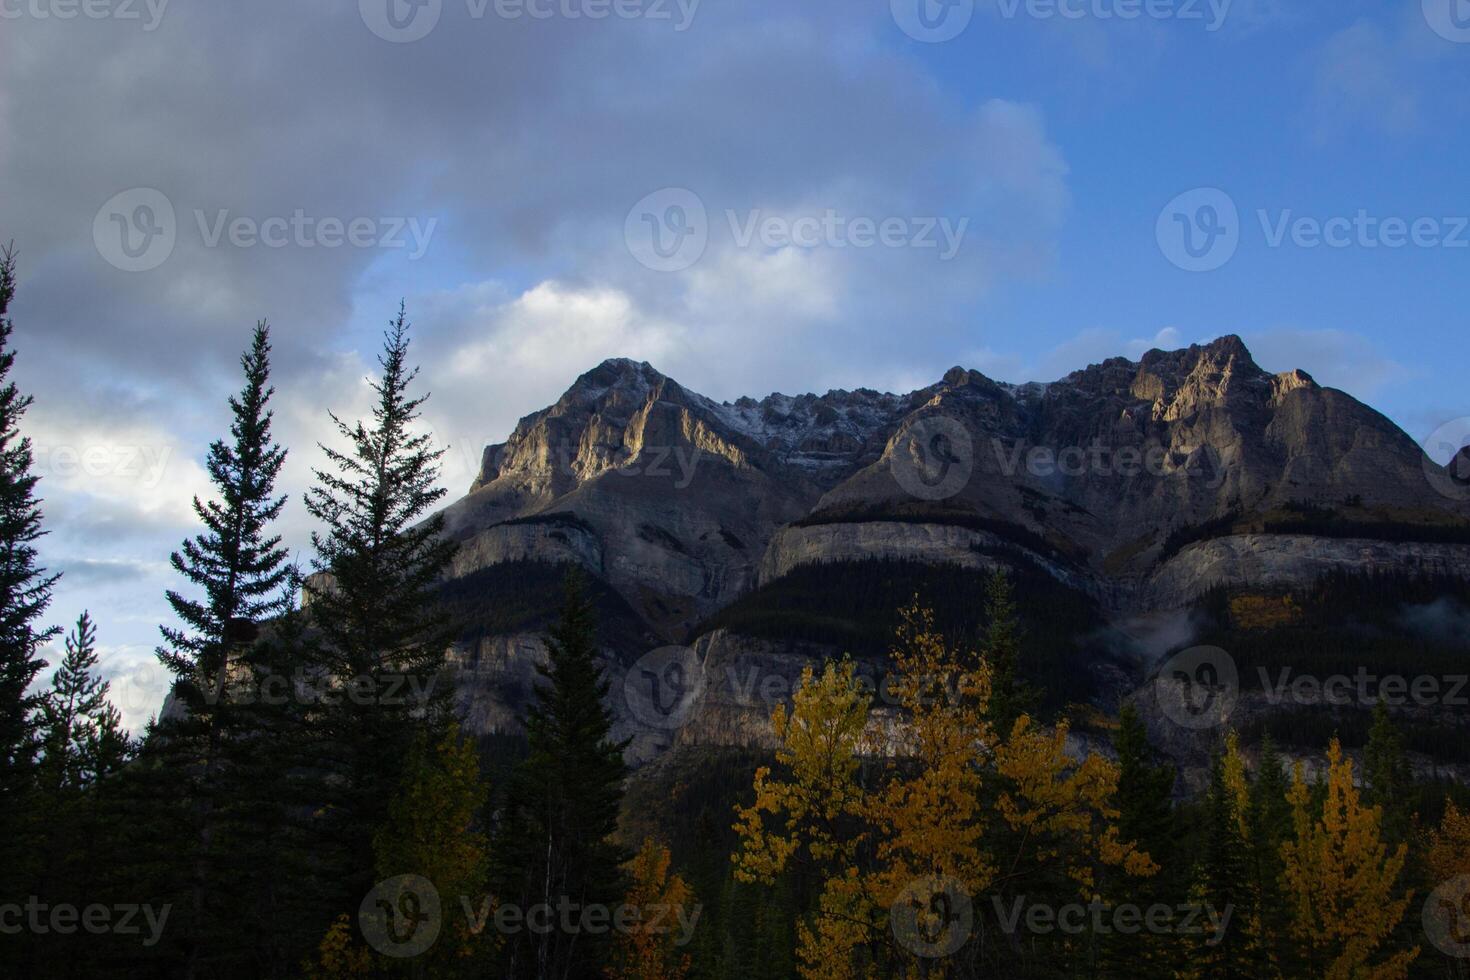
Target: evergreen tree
[[1145, 817], [85, 746], [1269, 827], [77, 697], [108, 746], [1388, 778], [1010, 696], [554, 844], [382, 635], [1222, 880], [240, 568], [235, 561], [433, 833], [1145, 788], [268, 825], [25, 592]]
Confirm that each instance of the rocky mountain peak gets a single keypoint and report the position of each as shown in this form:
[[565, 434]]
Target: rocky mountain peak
[[957, 377], [619, 376], [1133, 485], [675, 486]]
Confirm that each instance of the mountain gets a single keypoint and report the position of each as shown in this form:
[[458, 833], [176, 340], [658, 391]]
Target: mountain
[[1132, 489], [683, 504]]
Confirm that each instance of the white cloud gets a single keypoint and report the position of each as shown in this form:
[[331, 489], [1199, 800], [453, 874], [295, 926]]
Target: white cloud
[[133, 468], [139, 683], [1169, 338], [1334, 358], [1364, 77]]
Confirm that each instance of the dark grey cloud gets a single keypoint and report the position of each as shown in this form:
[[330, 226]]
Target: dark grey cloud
[[521, 145], [526, 141], [94, 571]]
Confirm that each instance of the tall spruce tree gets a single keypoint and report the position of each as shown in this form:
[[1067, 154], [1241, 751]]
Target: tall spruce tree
[[1145, 788], [1146, 817], [1223, 881], [237, 563], [270, 836], [85, 746], [1269, 828], [554, 846], [76, 713], [25, 589], [240, 567], [382, 634], [1388, 777], [1010, 696]]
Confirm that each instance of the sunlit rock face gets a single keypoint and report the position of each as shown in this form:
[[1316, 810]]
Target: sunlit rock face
[[684, 504], [1141, 484]]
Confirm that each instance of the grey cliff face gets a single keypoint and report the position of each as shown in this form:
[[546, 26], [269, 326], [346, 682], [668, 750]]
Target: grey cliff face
[[683, 505]]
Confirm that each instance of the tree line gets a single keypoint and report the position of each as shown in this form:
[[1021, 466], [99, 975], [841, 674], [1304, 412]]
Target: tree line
[[308, 757], [307, 806], [961, 839]]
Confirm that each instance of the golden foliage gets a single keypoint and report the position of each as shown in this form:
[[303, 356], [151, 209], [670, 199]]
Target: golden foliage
[[1236, 783], [337, 956], [1341, 880], [648, 950], [1449, 845], [870, 824], [819, 747], [1263, 612], [1064, 806], [429, 833]]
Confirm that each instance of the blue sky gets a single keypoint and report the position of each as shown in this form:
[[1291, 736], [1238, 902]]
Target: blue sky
[[529, 151]]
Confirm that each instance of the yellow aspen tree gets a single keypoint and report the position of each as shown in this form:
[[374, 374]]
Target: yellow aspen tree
[[813, 814], [1063, 808], [1342, 882], [1447, 859], [429, 835], [815, 807], [430, 832], [915, 830], [1236, 783], [1448, 856], [927, 814], [649, 949], [338, 956]]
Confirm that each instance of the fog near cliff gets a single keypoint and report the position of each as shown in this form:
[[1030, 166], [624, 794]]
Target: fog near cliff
[[1445, 620], [1150, 637]]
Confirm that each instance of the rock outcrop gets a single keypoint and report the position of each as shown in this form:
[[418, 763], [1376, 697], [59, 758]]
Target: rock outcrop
[[1142, 484], [683, 504]]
